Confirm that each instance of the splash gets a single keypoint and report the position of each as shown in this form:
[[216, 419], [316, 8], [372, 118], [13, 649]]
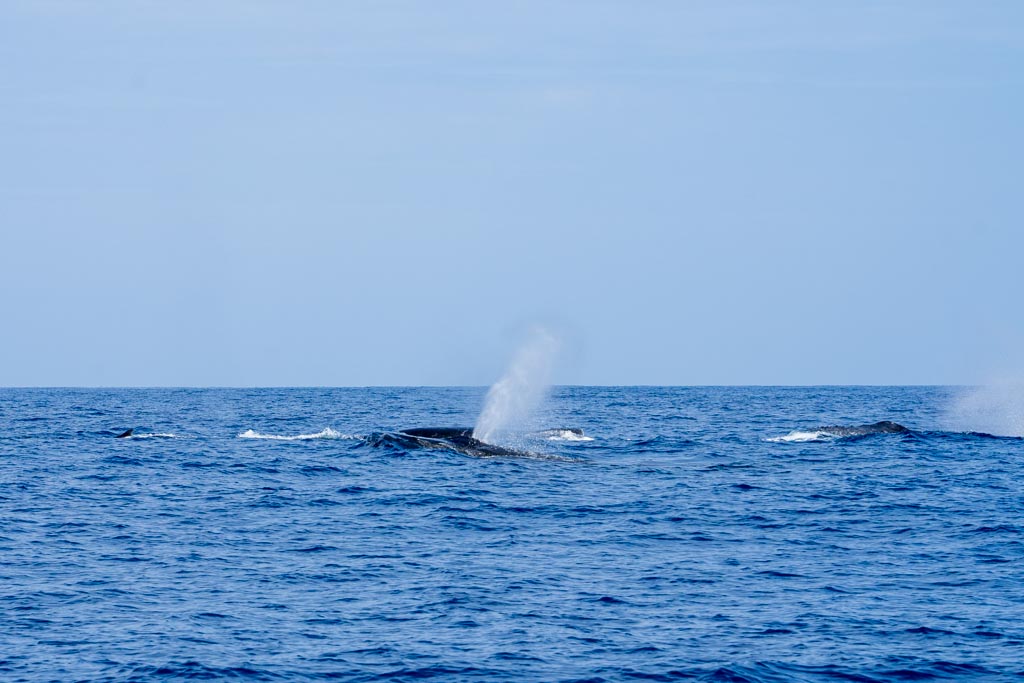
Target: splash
[[996, 409], [801, 436], [565, 435], [327, 433], [513, 398]]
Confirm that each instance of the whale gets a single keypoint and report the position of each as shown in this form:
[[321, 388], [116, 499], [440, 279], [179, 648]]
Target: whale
[[845, 432], [125, 435], [457, 439], [883, 427]]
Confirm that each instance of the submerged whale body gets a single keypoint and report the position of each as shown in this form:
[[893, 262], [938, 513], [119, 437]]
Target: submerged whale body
[[883, 427], [459, 440], [832, 432], [439, 432]]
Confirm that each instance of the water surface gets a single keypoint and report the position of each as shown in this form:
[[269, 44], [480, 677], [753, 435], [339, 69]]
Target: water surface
[[254, 535]]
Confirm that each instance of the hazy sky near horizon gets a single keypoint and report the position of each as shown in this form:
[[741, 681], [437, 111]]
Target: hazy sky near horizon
[[324, 193]]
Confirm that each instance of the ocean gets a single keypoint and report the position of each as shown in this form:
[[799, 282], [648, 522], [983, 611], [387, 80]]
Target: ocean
[[716, 534]]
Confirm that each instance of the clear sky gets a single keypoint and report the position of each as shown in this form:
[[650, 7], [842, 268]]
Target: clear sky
[[351, 193]]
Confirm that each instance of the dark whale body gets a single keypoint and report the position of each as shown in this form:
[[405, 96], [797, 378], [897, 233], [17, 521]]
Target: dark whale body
[[439, 432], [125, 435], [460, 440], [883, 427]]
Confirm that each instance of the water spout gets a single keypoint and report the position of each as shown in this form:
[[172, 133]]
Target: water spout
[[512, 400]]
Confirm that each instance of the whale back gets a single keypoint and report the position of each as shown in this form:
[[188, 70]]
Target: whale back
[[440, 432]]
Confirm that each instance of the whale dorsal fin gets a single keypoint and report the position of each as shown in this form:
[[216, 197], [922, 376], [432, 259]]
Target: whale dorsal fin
[[126, 434]]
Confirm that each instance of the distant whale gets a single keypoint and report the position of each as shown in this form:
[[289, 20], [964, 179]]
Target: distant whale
[[831, 432], [883, 427], [125, 434], [459, 440]]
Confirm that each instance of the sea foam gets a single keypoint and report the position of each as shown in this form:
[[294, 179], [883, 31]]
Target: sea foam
[[153, 435], [802, 436], [326, 433], [566, 435]]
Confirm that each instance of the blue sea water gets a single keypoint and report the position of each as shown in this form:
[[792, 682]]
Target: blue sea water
[[259, 535]]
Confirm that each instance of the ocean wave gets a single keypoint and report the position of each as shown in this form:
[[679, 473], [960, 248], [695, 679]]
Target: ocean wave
[[326, 433], [442, 538]]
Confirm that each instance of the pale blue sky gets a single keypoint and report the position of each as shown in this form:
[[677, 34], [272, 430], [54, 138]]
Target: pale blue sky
[[334, 193]]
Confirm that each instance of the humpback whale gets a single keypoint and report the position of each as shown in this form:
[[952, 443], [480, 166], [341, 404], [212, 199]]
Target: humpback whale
[[125, 434], [883, 427], [457, 439], [830, 432]]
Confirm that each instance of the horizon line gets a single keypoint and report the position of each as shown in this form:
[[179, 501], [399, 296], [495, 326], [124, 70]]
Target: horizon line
[[468, 386]]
